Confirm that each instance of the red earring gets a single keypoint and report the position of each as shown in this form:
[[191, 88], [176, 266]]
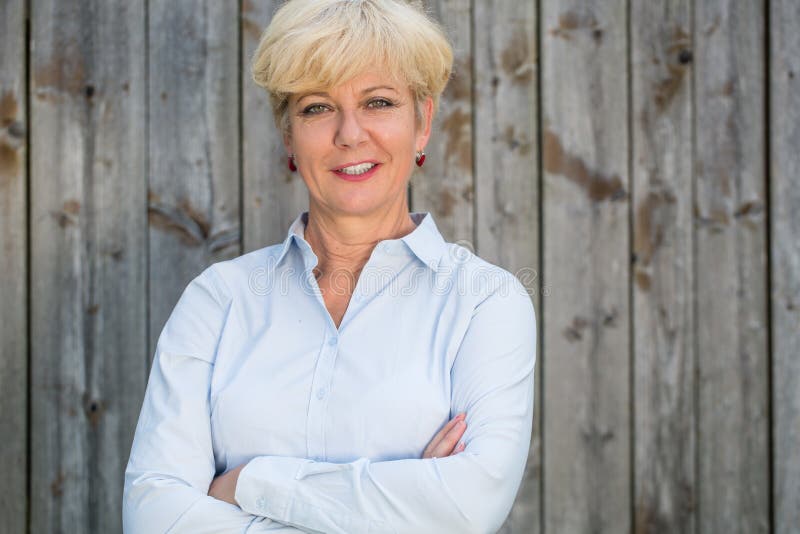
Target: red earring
[[420, 158], [292, 166]]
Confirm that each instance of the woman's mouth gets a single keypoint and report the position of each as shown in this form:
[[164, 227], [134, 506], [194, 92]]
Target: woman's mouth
[[358, 171]]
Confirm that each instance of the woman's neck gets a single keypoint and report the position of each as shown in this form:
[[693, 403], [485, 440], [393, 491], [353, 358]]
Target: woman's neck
[[347, 242]]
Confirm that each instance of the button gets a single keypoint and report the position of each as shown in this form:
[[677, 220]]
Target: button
[[261, 503], [321, 393], [333, 341]]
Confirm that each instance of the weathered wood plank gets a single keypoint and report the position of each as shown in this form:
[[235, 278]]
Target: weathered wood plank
[[272, 195], [444, 186], [586, 251], [506, 183], [784, 134], [730, 239], [14, 268], [661, 52], [88, 250], [194, 182]]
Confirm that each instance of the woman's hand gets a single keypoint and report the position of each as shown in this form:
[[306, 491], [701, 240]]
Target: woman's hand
[[444, 443], [223, 487]]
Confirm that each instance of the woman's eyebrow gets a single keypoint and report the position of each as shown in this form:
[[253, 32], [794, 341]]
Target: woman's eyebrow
[[370, 89], [365, 91], [317, 93]]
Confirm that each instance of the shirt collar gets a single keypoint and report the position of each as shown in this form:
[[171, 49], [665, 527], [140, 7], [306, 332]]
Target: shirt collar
[[425, 241]]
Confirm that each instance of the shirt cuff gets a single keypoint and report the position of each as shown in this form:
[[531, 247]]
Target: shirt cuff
[[265, 486], [272, 486]]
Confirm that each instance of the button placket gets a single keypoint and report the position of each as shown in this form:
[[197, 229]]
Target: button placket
[[318, 403]]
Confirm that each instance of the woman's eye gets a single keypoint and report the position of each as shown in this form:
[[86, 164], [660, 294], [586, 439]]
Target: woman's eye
[[314, 109], [379, 103]]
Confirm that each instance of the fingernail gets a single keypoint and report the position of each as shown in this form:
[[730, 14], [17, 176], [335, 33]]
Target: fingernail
[[461, 424]]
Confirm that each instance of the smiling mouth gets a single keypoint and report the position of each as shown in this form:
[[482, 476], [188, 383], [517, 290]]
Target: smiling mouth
[[357, 170]]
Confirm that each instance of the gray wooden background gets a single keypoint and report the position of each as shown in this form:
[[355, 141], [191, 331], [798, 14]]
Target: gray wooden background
[[638, 161]]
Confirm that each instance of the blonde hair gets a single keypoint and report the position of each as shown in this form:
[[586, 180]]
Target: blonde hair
[[318, 44]]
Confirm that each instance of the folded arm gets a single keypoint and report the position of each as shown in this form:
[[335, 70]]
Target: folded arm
[[492, 381], [172, 461]]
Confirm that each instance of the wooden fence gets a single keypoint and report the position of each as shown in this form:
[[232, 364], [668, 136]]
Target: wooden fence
[[643, 158]]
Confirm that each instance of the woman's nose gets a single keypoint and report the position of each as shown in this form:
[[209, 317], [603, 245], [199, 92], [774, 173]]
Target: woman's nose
[[350, 132]]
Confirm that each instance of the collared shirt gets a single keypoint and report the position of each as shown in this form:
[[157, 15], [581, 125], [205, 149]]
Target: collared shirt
[[332, 422]]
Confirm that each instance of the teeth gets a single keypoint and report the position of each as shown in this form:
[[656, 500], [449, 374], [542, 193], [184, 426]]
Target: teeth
[[361, 168]]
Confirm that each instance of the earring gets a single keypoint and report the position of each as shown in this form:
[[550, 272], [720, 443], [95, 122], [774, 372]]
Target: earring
[[420, 158], [292, 166]]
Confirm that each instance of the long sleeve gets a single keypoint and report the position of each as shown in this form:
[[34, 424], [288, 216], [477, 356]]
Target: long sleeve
[[171, 464], [492, 381]]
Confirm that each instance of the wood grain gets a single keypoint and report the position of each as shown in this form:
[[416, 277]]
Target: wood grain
[[664, 408], [444, 186], [784, 135], [14, 267], [194, 182], [152, 154], [272, 196], [731, 313], [506, 198], [586, 250], [88, 258]]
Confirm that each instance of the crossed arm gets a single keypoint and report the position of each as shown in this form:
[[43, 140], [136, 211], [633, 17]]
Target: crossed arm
[[444, 443], [171, 469]]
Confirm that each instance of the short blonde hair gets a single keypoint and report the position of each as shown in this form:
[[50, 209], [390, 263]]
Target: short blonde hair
[[318, 44]]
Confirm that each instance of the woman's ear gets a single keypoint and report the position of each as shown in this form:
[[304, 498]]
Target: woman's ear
[[287, 143], [424, 131], [286, 127]]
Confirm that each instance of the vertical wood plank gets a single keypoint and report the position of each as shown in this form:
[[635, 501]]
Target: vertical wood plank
[[88, 235], [586, 254], [272, 195], [732, 437], [784, 134], [664, 483], [14, 268], [193, 196], [506, 182], [444, 186]]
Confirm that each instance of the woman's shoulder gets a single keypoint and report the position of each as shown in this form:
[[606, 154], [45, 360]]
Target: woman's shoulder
[[233, 274], [236, 271], [482, 277]]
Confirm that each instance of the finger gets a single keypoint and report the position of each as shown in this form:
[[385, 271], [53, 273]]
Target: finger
[[449, 426], [433, 448], [460, 447], [445, 429], [449, 441]]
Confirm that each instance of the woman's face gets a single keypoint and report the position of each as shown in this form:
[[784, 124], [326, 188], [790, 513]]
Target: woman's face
[[355, 144]]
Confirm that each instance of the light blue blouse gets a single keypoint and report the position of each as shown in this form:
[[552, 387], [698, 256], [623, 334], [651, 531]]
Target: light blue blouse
[[250, 367]]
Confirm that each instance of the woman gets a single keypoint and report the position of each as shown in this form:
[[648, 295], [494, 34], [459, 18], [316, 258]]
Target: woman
[[309, 386]]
